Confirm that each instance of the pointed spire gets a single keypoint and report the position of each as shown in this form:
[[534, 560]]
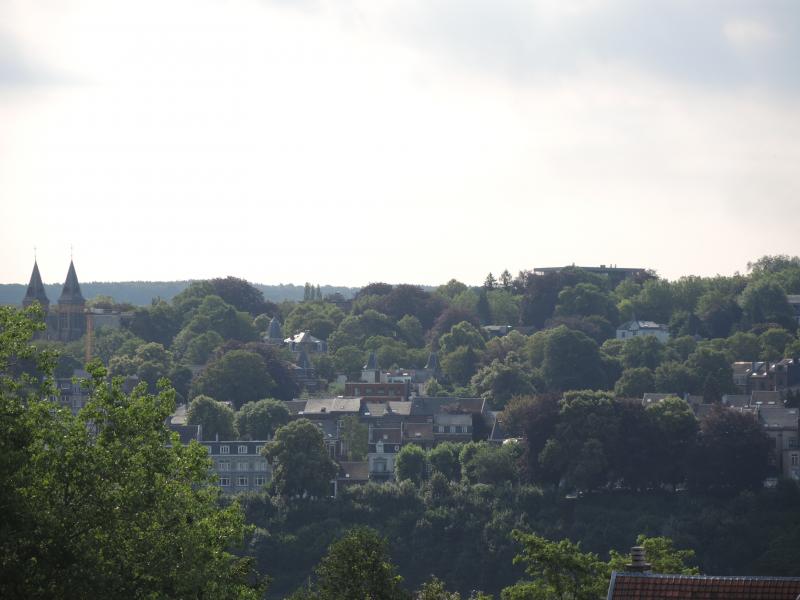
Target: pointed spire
[[35, 291], [71, 292]]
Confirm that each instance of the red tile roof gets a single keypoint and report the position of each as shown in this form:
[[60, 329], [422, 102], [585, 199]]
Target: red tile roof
[[648, 586]]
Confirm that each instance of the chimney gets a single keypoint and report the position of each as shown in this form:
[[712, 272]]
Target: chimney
[[638, 563]]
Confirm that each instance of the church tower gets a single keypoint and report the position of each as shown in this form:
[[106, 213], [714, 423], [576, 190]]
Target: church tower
[[71, 308], [35, 291]]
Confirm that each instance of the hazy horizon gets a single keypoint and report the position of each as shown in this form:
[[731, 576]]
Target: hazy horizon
[[356, 141]]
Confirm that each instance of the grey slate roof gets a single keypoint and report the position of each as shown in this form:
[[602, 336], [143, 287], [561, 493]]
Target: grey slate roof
[[381, 409], [777, 417], [35, 291], [71, 292]]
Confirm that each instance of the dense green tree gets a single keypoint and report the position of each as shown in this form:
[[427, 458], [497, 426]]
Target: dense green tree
[[444, 459], [451, 289], [300, 462], [242, 295], [463, 334], [672, 377], [503, 307], [634, 383], [642, 351], [675, 431], [764, 301], [355, 436], [773, 343], [357, 567], [490, 282], [159, 322], [460, 365], [355, 329], [732, 452], [435, 590], [705, 362], [201, 347], [533, 418], [238, 376], [216, 418], [655, 301], [558, 570], [661, 554], [719, 312], [493, 465], [744, 346], [319, 318], [585, 299], [349, 360], [259, 420], [106, 503], [482, 308], [411, 463], [571, 361], [411, 331], [499, 381]]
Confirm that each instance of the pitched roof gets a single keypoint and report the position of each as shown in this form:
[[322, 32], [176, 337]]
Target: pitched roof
[[418, 431], [778, 417], [295, 407], [71, 292], [35, 291], [649, 586], [636, 324], [303, 337], [354, 471], [381, 409]]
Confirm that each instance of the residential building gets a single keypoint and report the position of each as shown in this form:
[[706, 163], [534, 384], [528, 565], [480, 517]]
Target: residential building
[[761, 376], [781, 425], [385, 441], [637, 328], [380, 391], [239, 465]]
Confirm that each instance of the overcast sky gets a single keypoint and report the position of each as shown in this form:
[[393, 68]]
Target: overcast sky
[[352, 141]]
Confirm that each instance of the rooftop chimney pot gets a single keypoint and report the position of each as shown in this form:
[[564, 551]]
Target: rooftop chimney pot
[[638, 563]]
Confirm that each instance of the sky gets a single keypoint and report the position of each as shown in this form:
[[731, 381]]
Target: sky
[[350, 141]]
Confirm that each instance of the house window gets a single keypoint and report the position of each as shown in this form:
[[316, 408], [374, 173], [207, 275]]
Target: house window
[[241, 481], [452, 428], [224, 449], [795, 459], [380, 466], [224, 481], [259, 449], [224, 465], [243, 466], [242, 449], [261, 466], [261, 480], [793, 442]]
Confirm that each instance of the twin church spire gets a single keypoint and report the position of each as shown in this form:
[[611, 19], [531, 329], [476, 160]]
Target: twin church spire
[[70, 293]]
